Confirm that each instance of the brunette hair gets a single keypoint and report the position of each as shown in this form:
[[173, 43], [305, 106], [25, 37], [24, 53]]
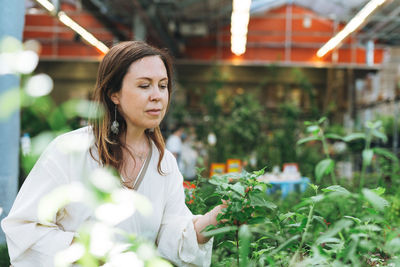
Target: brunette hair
[[112, 70]]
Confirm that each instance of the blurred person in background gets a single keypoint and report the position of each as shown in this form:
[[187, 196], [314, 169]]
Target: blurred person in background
[[189, 156], [174, 142], [133, 89]]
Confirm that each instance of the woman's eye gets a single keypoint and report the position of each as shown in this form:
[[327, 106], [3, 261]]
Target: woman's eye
[[144, 86], [163, 86]]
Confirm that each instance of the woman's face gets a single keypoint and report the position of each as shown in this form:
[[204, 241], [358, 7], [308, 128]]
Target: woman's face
[[143, 97]]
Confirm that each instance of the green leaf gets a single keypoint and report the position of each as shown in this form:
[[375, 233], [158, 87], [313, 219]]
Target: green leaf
[[321, 120], [227, 244], [314, 129], [356, 236], [262, 251], [244, 241], [393, 246], [308, 139], [350, 252], [261, 187], [336, 228], [367, 155], [324, 167], [369, 125], [378, 134], [377, 124], [238, 188], [369, 228], [259, 172], [285, 244], [256, 220], [218, 180], [285, 216], [259, 200], [222, 230], [354, 136], [334, 136], [317, 198], [376, 201], [336, 188], [320, 220], [329, 240], [358, 221], [385, 153], [379, 191], [314, 187]]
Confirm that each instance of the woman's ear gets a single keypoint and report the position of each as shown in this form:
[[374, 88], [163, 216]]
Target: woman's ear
[[115, 98]]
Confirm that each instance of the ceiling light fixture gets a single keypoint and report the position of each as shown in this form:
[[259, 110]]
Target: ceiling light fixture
[[350, 27], [47, 5], [66, 20], [239, 22]]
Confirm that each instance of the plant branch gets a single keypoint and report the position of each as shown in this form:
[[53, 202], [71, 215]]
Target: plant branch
[[237, 246], [303, 237], [326, 152], [364, 165]]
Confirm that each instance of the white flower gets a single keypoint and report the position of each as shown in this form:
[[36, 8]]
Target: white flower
[[51, 203], [39, 85], [70, 255], [101, 239], [146, 252], [121, 207], [127, 259], [26, 62], [102, 179]]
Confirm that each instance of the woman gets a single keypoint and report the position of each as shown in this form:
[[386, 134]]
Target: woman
[[133, 88]]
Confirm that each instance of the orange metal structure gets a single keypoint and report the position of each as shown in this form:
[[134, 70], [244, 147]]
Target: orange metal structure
[[59, 41], [278, 35]]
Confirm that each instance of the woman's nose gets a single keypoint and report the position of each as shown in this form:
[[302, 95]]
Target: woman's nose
[[155, 94]]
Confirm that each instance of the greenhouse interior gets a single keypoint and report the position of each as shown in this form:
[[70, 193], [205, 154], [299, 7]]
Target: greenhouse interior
[[199, 133]]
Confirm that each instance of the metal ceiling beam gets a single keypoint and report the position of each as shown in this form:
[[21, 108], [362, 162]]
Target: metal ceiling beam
[[98, 13], [379, 26], [157, 30]]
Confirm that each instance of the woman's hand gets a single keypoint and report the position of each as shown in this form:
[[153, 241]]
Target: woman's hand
[[210, 218]]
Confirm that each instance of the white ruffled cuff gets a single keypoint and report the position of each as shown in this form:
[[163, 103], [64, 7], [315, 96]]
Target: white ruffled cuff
[[178, 243], [190, 251]]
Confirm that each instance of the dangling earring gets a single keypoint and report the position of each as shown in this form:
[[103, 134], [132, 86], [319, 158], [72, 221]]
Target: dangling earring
[[115, 124]]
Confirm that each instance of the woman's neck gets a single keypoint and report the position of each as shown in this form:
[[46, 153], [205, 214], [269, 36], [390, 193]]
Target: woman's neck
[[135, 137]]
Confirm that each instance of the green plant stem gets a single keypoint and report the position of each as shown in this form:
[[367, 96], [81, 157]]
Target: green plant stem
[[364, 165], [362, 176], [326, 152], [333, 176], [237, 247], [303, 237]]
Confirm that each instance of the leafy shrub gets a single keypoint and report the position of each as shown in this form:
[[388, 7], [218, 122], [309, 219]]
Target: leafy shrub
[[356, 224], [4, 258]]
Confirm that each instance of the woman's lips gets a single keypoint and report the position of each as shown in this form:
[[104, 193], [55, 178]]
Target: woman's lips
[[154, 112]]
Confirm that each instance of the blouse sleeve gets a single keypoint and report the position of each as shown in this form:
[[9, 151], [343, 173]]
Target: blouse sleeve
[[31, 243], [177, 240]]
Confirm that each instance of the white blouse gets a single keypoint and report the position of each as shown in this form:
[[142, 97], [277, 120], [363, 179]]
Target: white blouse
[[170, 225]]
